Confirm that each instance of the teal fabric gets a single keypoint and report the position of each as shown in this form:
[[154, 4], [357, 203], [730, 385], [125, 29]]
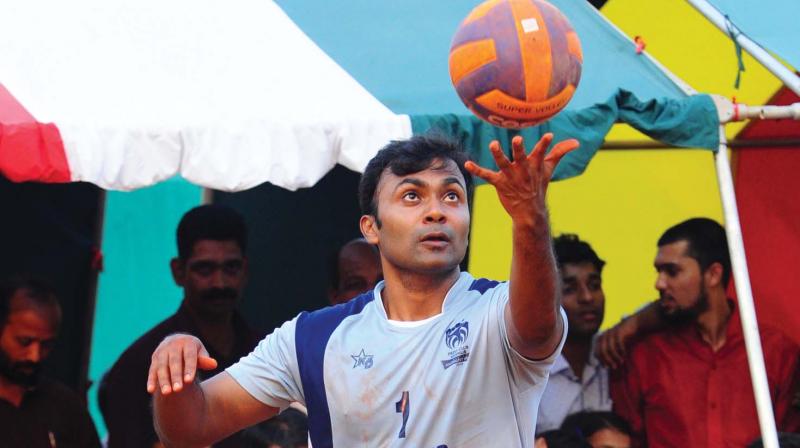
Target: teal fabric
[[398, 50], [687, 122], [770, 23], [135, 289]]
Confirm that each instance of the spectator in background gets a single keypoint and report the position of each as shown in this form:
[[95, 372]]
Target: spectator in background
[[356, 268], [289, 429], [689, 383], [211, 267], [555, 438], [578, 382], [600, 429], [34, 411]]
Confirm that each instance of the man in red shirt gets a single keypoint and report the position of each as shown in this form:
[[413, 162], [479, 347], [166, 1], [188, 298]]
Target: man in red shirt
[[688, 385]]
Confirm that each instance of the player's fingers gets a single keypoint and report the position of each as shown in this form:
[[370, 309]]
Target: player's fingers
[[162, 373], [537, 154], [499, 157], [518, 148], [189, 363], [151, 378], [559, 150], [176, 369], [484, 173], [206, 363]]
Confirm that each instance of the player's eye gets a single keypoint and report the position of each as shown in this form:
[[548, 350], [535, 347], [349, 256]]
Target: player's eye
[[410, 196], [451, 196]]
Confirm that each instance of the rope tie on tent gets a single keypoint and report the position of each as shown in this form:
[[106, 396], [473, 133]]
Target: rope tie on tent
[[734, 32], [735, 109], [640, 44]]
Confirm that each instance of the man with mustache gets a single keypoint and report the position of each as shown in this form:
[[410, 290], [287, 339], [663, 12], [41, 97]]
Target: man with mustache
[[211, 267], [688, 384], [35, 412], [578, 382]]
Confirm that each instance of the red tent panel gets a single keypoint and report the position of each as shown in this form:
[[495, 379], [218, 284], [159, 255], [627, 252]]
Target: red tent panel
[[768, 195]]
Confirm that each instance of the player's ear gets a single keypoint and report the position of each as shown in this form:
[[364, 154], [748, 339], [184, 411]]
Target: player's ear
[[369, 228]]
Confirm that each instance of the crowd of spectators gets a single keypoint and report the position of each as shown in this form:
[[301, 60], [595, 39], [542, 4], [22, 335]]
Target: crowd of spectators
[[673, 374]]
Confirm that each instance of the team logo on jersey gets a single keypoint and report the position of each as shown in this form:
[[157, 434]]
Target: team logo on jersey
[[455, 338], [456, 335], [362, 359]]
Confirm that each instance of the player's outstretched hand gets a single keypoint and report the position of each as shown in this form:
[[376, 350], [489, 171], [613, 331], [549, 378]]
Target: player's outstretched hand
[[610, 347], [521, 184], [175, 363]]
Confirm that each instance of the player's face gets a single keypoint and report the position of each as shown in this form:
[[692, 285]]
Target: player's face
[[359, 271], [679, 282], [212, 277], [424, 219], [25, 342], [582, 298]]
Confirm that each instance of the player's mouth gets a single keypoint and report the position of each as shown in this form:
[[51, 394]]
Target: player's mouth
[[435, 239]]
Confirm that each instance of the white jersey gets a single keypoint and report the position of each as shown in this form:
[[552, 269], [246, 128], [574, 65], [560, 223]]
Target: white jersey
[[453, 381]]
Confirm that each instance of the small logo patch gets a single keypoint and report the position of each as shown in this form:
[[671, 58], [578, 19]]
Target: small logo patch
[[529, 25], [455, 337], [362, 359]]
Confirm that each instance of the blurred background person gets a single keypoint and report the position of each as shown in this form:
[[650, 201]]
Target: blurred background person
[[354, 269], [35, 411], [600, 429], [578, 381]]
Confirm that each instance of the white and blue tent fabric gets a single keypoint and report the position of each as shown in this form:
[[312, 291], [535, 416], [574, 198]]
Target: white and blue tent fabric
[[770, 23], [230, 96]]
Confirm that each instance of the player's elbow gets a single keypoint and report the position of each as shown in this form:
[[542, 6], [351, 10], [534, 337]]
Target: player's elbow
[[538, 331]]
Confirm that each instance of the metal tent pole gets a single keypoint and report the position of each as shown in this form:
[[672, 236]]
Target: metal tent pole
[[747, 311], [788, 77]]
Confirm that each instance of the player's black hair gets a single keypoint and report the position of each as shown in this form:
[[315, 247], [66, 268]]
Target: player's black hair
[[36, 290], [210, 222], [569, 249], [557, 438], [405, 157], [586, 423], [707, 243]]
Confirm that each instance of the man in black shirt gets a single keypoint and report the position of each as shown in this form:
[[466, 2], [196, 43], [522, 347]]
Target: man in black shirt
[[211, 268], [35, 412]]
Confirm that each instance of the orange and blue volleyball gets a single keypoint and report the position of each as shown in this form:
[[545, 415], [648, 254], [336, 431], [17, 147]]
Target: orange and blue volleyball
[[515, 63]]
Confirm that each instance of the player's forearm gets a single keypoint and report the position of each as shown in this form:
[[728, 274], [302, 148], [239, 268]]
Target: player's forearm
[[180, 417], [534, 298]]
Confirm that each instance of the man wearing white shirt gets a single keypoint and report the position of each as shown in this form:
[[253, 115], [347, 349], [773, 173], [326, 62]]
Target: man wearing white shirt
[[431, 357], [578, 381]]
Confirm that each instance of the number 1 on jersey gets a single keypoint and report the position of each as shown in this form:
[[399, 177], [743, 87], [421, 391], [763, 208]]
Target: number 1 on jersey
[[402, 408]]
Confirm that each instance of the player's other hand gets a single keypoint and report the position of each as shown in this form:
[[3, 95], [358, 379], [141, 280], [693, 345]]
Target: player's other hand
[[175, 363], [610, 347], [521, 184]]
